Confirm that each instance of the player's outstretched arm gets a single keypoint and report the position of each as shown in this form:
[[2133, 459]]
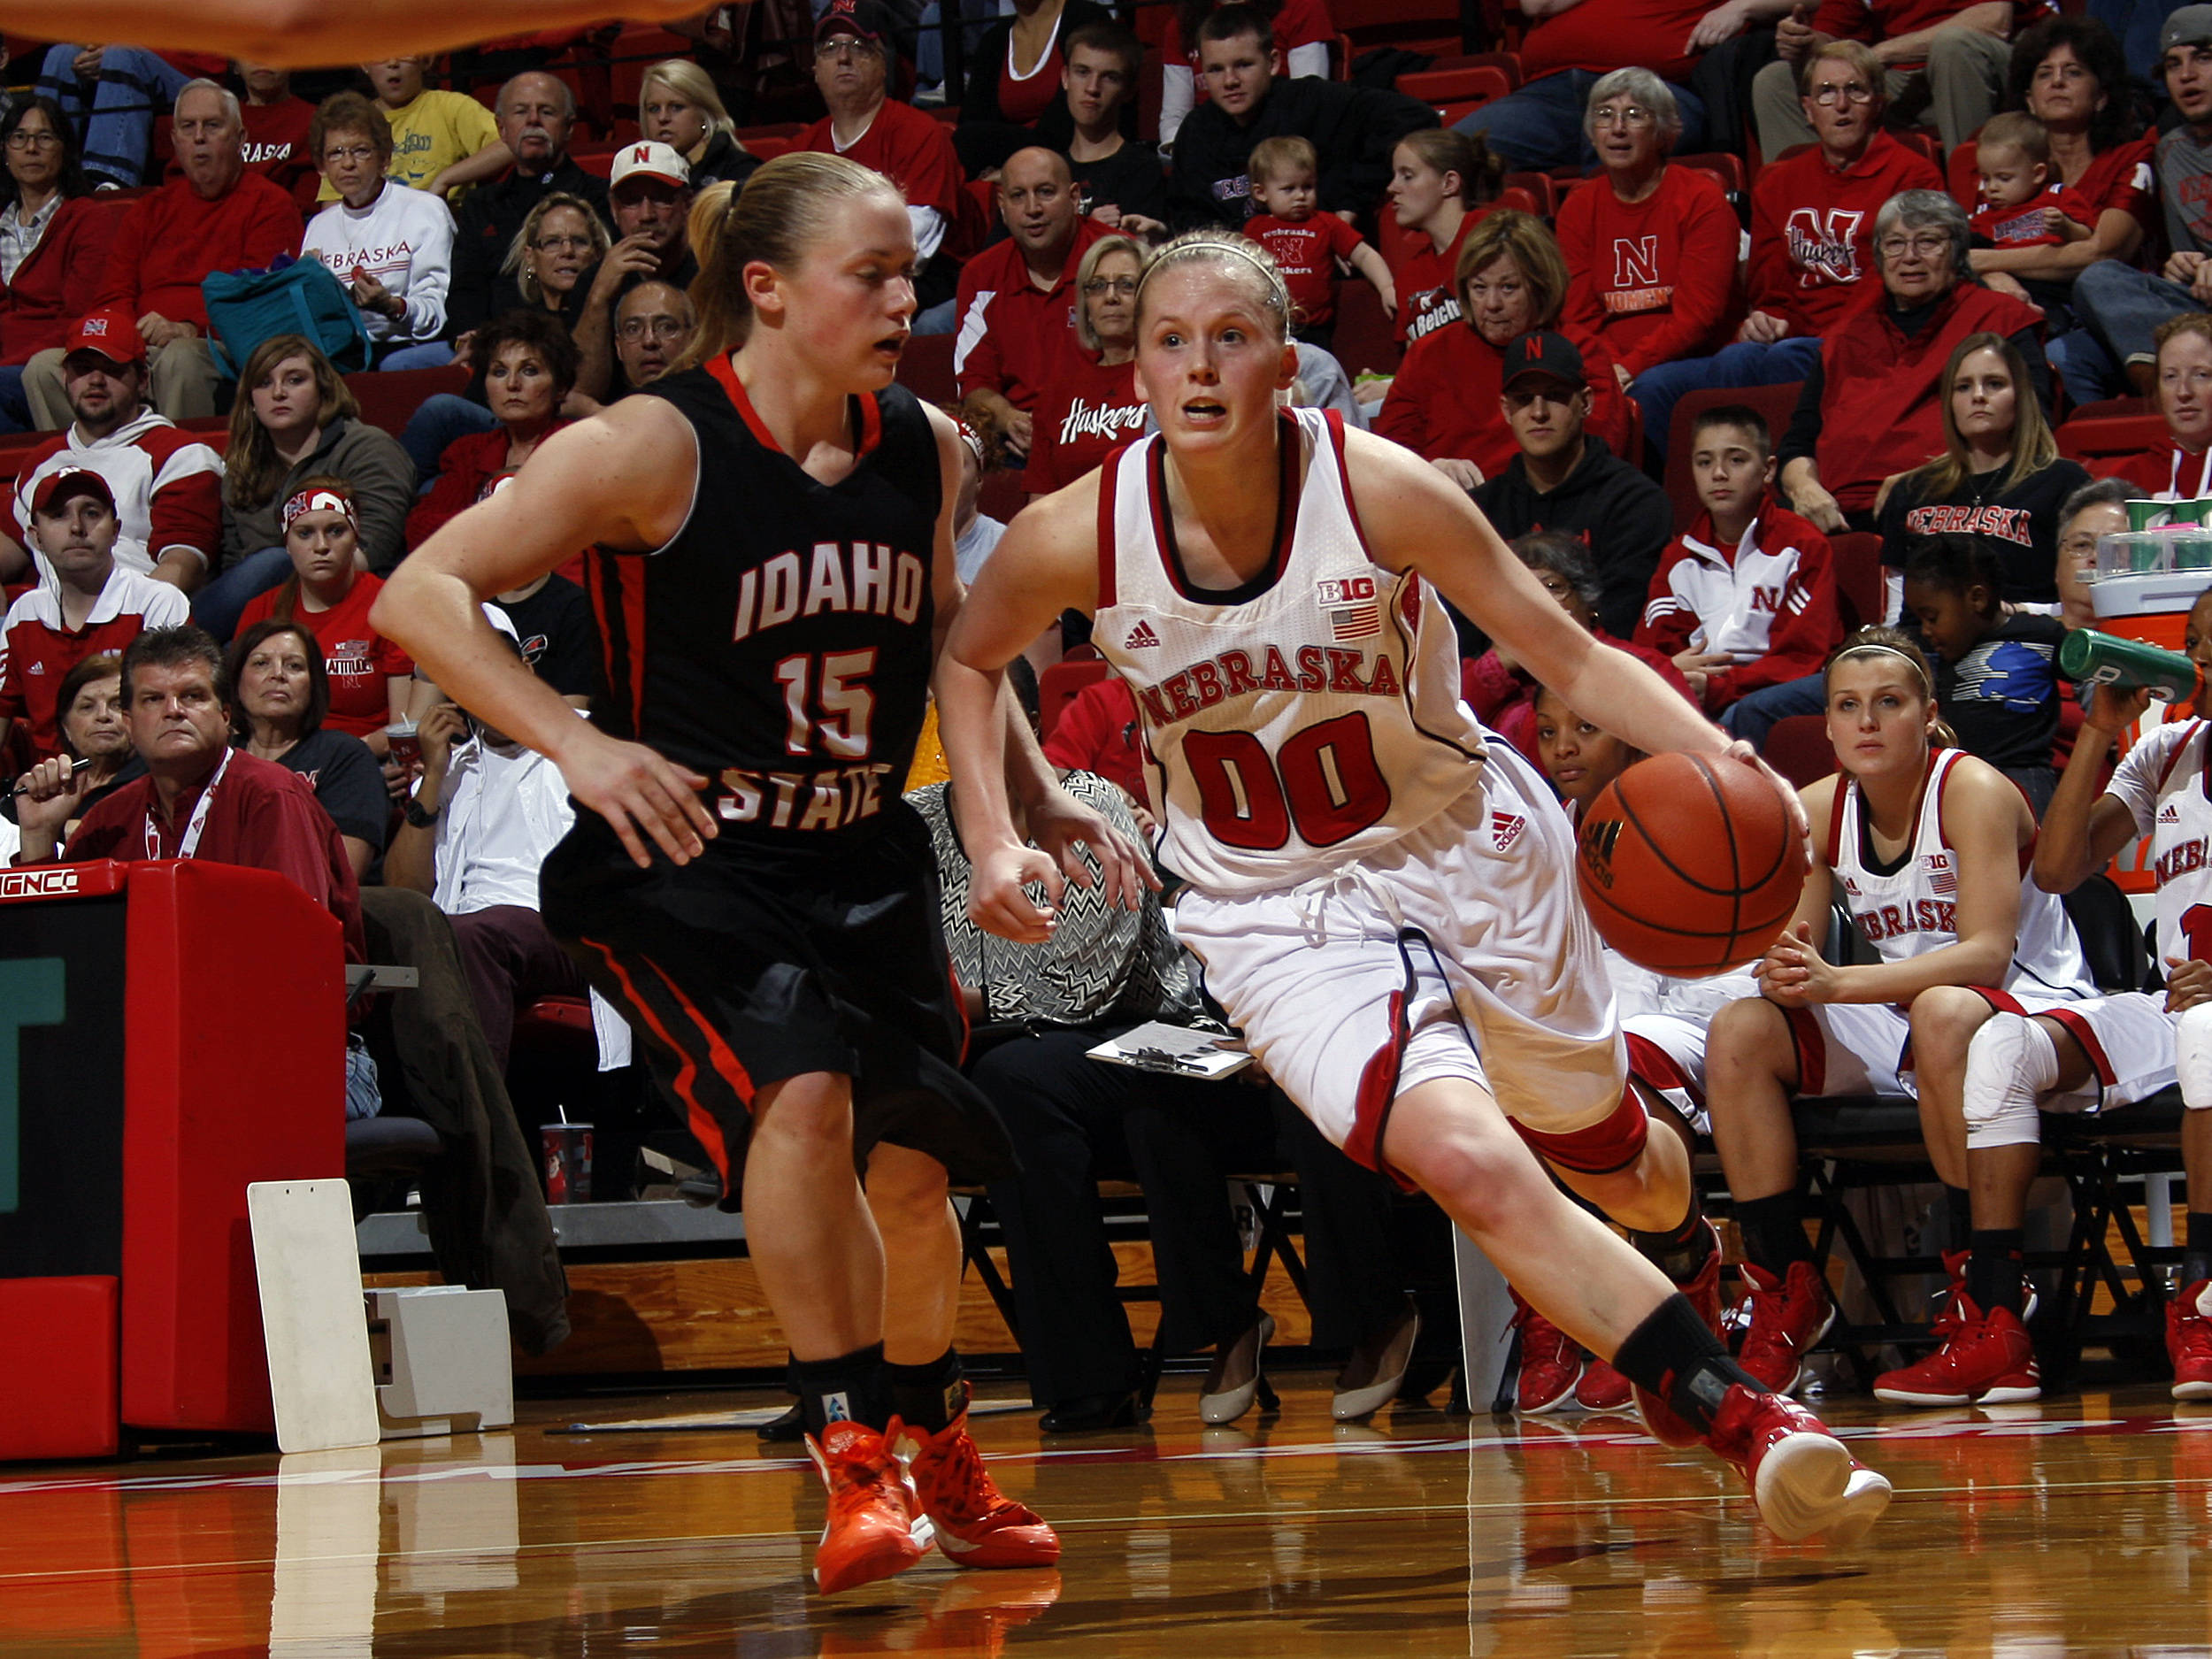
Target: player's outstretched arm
[[2084, 829], [607, 480], [1048, 563], [1058, 823], [313, 33]]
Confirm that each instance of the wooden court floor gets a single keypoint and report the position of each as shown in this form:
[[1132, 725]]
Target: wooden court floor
[[2082, 1526]]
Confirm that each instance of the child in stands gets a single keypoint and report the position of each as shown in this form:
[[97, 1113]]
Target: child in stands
[[2025, 204], [1745, 597], [1996, 669], [1307, 243]]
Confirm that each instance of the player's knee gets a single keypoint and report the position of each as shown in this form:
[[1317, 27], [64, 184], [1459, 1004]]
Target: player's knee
[[1749, 1034], [812, 1115], [1944, 1019], [1471, 1174], [2192, 1056]]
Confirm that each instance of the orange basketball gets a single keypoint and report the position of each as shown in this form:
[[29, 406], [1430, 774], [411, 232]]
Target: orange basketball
[[1689, 864]]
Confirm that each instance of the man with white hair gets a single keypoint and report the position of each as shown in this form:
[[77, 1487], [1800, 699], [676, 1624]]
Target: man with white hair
[[217, 217]]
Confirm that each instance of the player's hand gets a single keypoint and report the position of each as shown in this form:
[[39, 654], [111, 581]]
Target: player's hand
[[2113, 708], [1465, 473], [1061, 825], [2187, 984], [1742, 750], [642, 795], [1792, 972], [997, 901]]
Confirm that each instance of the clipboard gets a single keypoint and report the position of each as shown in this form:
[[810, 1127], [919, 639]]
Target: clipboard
[[1173, 1050]]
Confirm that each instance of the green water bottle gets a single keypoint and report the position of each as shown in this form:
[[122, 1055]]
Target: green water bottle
[[2105, 659]]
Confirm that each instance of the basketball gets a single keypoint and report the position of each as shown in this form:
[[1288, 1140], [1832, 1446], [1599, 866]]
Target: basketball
[[1689, 864]]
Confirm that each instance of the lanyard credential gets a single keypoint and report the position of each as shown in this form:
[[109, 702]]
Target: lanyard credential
[[196, 824]]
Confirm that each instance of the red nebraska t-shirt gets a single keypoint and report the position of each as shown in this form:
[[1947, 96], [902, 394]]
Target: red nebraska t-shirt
[[1307, 253], [358, 659], [1082, 416]]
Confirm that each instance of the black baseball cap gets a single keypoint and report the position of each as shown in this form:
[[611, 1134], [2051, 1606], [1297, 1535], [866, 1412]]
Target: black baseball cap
[[1546, 353], [870, 19]]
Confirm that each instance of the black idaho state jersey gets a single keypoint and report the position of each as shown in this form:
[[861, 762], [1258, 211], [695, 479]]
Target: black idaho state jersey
[[780, 642]]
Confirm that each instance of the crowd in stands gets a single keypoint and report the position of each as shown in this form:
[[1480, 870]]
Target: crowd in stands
[[1890, 249]]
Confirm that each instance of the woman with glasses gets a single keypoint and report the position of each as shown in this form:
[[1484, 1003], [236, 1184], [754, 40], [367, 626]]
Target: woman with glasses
[[50, 259], [560, 240], [1872, 405], [1673, 297], [1084, 415], [390, 245]]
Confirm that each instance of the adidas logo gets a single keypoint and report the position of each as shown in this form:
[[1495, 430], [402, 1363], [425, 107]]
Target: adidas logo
[[35, 668], [2168, 814], [1140, 636], [1505, 829]]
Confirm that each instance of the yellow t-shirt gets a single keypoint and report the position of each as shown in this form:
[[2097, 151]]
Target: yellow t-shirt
[[430, 135]]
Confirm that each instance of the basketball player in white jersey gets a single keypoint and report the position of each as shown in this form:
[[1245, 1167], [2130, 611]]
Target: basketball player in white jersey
[[1663, 1021], [2162, 788], [1381, 894], [1928, 849]]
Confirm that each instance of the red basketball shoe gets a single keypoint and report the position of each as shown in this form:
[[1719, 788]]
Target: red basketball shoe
[[1551, 1362], [977, 1524], [875, 1526], [2189, 1341], [1803, 1478], [1985, 1359], [1789, 1316]]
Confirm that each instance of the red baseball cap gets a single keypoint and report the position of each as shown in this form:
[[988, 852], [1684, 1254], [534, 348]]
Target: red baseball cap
[[57, 487], [111, 332]]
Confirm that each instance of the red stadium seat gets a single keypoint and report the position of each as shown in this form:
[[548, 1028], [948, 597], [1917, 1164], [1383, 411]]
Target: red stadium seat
[[1508, 64], [598, 163], [2091, 439], [925, 368], [636, 49], [1963, 177], [1366, 336], [1922, 139], [1418, 25], [1798, 747], [1515, 196], [1541, 188], [1726, 169], [388, 397], [1463, 89], [1860, 594], [1002, 496], [1775, 403]]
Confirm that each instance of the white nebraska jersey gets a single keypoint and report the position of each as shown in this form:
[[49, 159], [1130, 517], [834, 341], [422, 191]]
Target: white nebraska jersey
[[1309, 722], [2162, 781], [1914, 909]]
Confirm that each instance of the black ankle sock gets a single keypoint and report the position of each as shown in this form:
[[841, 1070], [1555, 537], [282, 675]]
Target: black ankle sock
[[1674, 1354], [929, 1396], [855, 1386], [1681, 1252], [1773, 1231], [1992, 1271], [1958, 1219], [2196, 1258]]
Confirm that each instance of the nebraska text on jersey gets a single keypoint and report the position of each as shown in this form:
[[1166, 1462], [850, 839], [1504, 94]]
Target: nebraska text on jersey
[[856, 576], [1239, 673]]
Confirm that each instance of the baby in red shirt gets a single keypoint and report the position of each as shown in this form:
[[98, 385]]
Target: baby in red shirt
[[2022, 206], [1285, 178]]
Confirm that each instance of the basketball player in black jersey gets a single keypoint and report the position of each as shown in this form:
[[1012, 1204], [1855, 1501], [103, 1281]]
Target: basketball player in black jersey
[[774, 576]]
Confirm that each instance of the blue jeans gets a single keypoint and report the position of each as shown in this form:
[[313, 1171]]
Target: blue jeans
[[2120, 308], [15, 408], [1664, 385], [1541, 125], [430, 353], [440, 419], [218, 606], [114, 118], [1753, 716]]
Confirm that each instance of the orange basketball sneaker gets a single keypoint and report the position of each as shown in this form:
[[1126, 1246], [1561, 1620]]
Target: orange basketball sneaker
[[1803, 1479], [1986, 1359], [1551, 1361], [875, 1526], [977, 1524], [1789, 1316]]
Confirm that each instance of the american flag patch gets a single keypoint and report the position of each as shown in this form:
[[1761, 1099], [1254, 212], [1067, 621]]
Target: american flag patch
[[1359, 622], [1943, 880]]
